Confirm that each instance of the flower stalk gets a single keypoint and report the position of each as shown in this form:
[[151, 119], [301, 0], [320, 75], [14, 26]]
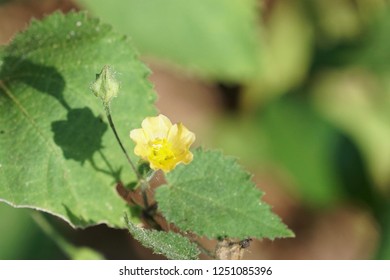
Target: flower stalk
[[112, 125], [106, 87]]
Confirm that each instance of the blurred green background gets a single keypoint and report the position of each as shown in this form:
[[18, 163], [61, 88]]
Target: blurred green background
[[299, 91]]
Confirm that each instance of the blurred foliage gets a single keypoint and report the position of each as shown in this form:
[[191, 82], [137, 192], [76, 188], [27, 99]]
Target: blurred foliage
[[22, 239], [71, 251], [290, 135], [287, 39], [355, 100], [214, 38], [384, 249]]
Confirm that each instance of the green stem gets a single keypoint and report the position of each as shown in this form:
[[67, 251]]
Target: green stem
[[112, 125], [143, 182]]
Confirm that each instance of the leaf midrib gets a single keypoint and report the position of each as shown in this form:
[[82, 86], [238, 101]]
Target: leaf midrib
[[50, 145]]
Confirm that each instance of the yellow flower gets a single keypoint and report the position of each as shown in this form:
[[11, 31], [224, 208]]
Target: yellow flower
[[162, 144]]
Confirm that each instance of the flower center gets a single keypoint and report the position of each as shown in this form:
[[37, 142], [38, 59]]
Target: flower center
[[160, 151]]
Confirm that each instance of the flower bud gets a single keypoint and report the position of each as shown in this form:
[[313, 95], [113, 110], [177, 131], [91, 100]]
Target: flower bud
[[106, 86]]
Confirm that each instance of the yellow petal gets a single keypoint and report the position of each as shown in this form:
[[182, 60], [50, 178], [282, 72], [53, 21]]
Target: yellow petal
[[162, 144], [166, 167], [188, 157], [156, 127], [141, 151], [180, 137], [141, 140], [138, 136], [184, 157]]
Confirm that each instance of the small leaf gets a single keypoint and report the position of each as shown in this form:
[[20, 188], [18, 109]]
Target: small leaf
[[56, 151], [173, 245], [214, 196]]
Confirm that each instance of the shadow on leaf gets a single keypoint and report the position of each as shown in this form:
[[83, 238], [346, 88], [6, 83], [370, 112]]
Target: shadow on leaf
[[78, 221], [45, 79], [80, 135]]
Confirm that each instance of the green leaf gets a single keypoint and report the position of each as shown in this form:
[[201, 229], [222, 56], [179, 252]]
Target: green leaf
[[173, 245], [56, 151], [214, 197], [217, 39]]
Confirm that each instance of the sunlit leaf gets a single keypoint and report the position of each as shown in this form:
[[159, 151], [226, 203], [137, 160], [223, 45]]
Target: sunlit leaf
[[213, 196], [56, 151]]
